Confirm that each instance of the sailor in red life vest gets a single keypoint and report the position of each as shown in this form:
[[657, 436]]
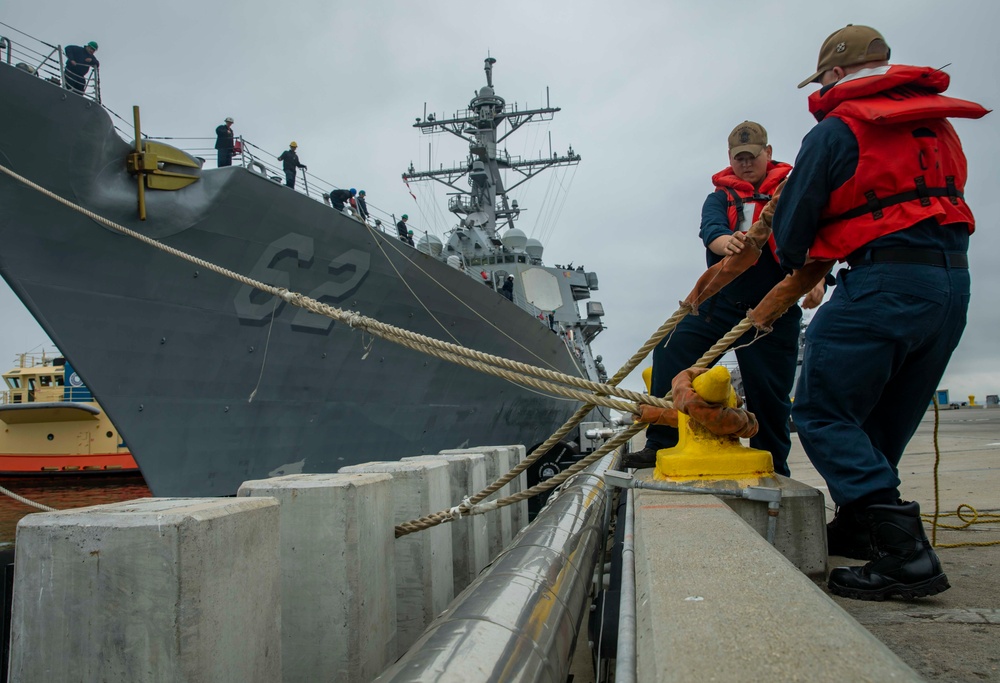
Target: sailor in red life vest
[[767, 367], [878, 183]]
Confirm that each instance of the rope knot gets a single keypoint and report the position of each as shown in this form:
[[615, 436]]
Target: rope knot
[[456, 512]]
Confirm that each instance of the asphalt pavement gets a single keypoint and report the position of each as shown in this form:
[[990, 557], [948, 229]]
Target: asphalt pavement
[[953, 636]]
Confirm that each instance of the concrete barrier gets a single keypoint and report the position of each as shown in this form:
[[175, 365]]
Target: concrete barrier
[[801, 530], [469, 536], [155, 589], [338, 574], [424, 580], [519, 510], [714, 599], [498, 522]]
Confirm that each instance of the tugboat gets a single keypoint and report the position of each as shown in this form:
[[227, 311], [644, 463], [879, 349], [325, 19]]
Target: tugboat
[[51, 425], [213, 382]]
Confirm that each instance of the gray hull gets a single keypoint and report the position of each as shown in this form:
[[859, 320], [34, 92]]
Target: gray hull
[[173, 352]]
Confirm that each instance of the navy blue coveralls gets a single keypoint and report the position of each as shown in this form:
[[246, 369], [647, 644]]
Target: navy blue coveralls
[[76, 73], [289, 162], [225, 144], [339, 198], [877, 349], [767, 366]]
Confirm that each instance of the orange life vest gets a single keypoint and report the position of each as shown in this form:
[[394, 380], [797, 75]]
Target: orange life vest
[[911, 166], [740, 193]]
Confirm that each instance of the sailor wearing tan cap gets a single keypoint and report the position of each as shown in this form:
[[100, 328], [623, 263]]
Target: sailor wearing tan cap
[[768, 365], [878, 183]]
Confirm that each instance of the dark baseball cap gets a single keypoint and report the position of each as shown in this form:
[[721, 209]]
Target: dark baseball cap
[[849, 46]]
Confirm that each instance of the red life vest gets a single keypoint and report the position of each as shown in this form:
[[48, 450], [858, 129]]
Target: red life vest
[[911, 166], [740, 192]]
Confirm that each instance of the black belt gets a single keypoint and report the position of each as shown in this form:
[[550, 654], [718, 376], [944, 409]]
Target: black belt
[[924, 257]]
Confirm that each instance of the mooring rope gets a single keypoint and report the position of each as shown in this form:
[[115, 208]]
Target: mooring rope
[[356, 320], [26, 501], [986, 517], [473, 507]]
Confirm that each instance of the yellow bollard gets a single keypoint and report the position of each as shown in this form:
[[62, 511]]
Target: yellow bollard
[[700, 454]]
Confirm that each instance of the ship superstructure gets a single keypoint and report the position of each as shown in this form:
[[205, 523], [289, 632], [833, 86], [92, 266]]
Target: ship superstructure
[[485, 242]]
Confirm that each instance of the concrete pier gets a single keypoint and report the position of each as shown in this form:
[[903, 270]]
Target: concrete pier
[[801, 528], [155, 589], [338, 577], [715, 600], [469, 536], [424, 580]]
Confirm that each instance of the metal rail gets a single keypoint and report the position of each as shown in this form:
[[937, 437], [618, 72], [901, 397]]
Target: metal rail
[[519, 621], [46, 61]]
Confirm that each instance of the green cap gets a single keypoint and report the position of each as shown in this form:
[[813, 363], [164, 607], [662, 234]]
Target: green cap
[[92, 45], [405, 217]]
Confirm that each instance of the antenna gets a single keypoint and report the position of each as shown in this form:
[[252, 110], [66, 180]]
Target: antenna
[[489, 70]]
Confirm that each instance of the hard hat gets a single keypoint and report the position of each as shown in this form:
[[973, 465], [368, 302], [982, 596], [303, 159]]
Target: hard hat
[[353, 192], [510, 277], [409, 232], [229, 119], [361, 191], [293, 144], [405, 217], [92, 45]]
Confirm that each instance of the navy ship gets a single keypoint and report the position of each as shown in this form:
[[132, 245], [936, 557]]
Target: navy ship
[[212, 382]]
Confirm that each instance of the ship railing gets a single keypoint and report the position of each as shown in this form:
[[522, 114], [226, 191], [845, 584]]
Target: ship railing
[[34, 359], [258, 160], [44, 60]]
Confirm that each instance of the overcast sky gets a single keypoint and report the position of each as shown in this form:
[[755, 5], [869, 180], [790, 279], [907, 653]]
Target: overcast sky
[[649, 91]]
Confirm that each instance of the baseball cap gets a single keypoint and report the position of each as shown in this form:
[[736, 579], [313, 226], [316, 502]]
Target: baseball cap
[[747, 137], [229, 119], [848, 46]]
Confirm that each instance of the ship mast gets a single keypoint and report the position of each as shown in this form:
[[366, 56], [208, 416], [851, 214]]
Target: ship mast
[[485, 201]]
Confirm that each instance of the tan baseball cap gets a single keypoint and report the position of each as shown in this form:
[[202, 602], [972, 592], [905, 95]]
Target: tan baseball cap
[[747, 137], [849, 46]]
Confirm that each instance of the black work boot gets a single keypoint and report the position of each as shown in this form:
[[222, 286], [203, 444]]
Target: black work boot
[[904, 563], [848, 536], [640, 459]]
